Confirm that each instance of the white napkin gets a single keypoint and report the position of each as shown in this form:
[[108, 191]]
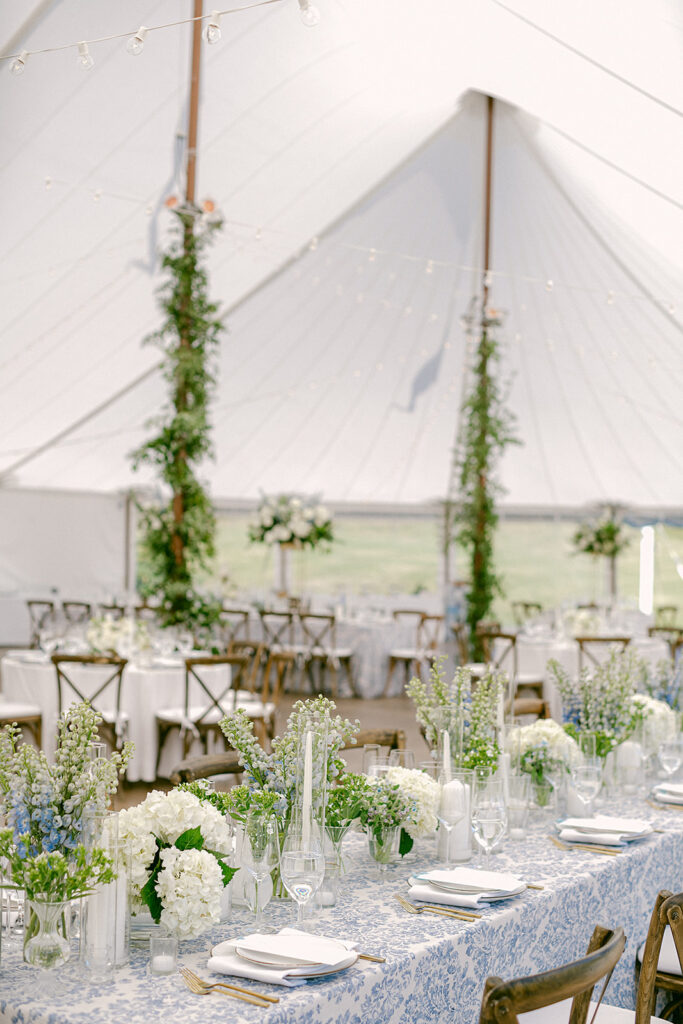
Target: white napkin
[[574, 835], [626, 827], [669, 792], [491, 883], [224, 959]]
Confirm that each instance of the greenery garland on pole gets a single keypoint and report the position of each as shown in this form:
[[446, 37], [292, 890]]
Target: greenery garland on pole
[[488, 430], [179, 536]]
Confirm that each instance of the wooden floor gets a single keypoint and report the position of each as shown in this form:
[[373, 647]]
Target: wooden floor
[[385, 713]]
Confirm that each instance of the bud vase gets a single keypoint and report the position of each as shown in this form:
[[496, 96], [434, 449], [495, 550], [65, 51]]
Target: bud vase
[[383, 846], [46, 935]]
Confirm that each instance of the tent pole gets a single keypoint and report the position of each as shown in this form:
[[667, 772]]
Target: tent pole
[[487, 201]]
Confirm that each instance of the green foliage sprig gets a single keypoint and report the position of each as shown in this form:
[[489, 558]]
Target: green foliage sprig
[[605, 538], [488, 430], [178, 539]]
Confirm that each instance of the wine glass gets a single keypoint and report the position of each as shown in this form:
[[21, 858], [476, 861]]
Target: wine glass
[[302, 867], [453, 801], [587, 780], [489, 815], [259, 856], [670, 757]]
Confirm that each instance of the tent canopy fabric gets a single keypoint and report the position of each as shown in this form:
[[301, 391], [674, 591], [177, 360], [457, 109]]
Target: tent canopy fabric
[[347, 162]]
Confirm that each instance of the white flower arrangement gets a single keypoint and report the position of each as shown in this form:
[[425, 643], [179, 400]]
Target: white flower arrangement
[[288, 519], [660, 718], [424, 794], [581, 622], [545, 732], [122, 636], [182, 885]]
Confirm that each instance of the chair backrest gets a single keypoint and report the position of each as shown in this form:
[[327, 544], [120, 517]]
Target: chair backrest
[[462, 639], [665, 615], [256, 653], [504, 1000], [214, 688], [146, 613], [114, 611], [409, 617], [668, 911], [76, 612], [278, 667], [394, 739], [595, 649], [277, 628], [205, 766], [318, 631], [233, 624], [39, 612], [673, 635], [524, 610], [108, 680], [429, 632], [506, 655], [528, 708]]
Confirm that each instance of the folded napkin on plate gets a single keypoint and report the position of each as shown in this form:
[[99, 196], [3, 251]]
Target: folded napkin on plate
[[574, 835], [669, 793], [626, 827], [488, 885], [224, 959]]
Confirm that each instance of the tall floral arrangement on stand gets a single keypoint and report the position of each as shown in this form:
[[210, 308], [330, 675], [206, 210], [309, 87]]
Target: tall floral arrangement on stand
[[603, 538], [468, 714], [291, 519], [179, 844]]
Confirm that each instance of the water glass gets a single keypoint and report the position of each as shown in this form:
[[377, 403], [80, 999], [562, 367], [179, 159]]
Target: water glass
[[489, 814], [519, 798], [259, 856], [302, 867], [587, 742], [670, 757], [587, 781], [371, 754], [430, 768], [401, 759]]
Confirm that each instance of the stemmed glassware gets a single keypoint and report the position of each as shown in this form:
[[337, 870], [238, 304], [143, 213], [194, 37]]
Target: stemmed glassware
[[587, 780], [302, 867], [670, 757], [489, 813], [260, 853], [401, 759]]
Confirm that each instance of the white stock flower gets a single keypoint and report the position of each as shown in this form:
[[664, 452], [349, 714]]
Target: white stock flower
[[660, 720], [189, 886]]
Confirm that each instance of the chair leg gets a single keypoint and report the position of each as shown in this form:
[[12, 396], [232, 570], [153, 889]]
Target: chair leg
[[390, 672], [162, 733]]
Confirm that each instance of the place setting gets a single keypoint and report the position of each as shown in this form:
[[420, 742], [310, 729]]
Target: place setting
[[289, 957]]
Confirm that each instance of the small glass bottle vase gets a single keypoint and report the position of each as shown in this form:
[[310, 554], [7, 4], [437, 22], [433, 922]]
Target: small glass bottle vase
[[46, 934]]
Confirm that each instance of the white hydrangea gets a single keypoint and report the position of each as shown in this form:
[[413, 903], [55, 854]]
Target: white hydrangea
[[659, 717], [424, 792], [168, 815], [545, 732], [189, 885]]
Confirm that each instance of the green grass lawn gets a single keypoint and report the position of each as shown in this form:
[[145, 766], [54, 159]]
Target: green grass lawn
[[383, 555]]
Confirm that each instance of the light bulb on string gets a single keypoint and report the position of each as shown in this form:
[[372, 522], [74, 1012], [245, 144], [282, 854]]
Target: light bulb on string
[[488, 278], [429, 269], [19, 63], [610, 298], [549, 285], [85, 60], [135, 44], [212, 32], [309, 13]]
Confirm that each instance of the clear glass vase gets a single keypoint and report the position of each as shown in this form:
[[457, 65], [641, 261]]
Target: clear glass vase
[[334, 864], [46, 933], [383, 846]]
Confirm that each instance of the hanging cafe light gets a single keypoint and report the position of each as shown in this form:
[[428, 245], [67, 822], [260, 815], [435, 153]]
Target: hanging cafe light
[[136, 43], [309, 13], [212, 32]]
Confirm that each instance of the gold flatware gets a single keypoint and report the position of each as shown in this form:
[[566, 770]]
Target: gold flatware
[[586, 847], [374, 959], [466, 914], [530, 886], [444, 911], [664, 807], [205, 988]]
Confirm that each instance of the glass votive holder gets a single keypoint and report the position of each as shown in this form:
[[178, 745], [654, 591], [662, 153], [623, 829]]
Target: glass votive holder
[[163, 954], [519, 796]]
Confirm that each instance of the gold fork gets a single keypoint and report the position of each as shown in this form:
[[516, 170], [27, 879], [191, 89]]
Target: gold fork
[[205, 988], [586, 847], [460, 915]]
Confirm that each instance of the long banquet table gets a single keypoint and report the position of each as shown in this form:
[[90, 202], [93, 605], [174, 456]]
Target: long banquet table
[[435, 967]]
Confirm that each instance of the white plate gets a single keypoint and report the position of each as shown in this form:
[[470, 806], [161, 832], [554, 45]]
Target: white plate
[[627, 827], [273, 959], [487, 895], [310, 971]]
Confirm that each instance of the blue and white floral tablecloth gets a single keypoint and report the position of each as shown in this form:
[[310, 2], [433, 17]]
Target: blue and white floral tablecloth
[[435, 967]]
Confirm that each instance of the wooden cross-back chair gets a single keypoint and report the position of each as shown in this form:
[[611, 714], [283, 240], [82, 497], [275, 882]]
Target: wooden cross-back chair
[[522, 611], [207, 766], [109, 681], [257, 654], [504, 1001], [277, 630], [76, 612], [319, 648], [209, 697], [146, 613], [428, 630], [673, 635], [393, 739], [660, 958], [501, 655], [665, 615], [592, 647], [462, 641], [39, 613], [26, 716], [233, 624]]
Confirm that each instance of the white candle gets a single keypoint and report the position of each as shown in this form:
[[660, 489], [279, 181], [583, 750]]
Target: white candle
[[446, 756], [453, 801], [308, 787], [163, 964]]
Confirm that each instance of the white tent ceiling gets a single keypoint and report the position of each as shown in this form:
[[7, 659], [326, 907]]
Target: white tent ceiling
[[342, 371]]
